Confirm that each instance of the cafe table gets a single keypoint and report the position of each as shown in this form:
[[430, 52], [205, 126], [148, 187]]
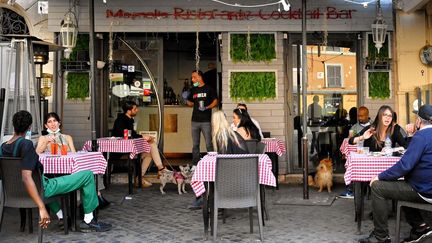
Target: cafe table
[[360, 170], [274, 148], [72, 163], [205, 172], [133, 147]]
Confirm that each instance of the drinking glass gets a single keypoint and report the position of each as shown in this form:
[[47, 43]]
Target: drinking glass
[[64, 149], [54, 148]]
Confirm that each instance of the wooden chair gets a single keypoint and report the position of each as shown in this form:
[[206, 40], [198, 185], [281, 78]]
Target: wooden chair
[[237, 186], [15, 194], [422, 206]]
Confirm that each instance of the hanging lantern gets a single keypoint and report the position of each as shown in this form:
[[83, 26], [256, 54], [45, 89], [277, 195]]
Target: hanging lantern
[[69, 33], [379, 28]]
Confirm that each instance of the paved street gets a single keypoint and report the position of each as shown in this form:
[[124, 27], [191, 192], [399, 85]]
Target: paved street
[[152, 217]]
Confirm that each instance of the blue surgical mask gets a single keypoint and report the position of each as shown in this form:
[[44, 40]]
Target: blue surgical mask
[[196, 84]]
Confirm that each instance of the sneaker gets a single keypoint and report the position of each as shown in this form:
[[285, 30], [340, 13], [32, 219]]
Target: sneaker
[[419, 234], [197, 204], [373, 239], [94, 226], [347, 194]]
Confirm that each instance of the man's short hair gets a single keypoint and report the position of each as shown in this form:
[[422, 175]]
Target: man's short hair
[[199, 72], [21, 121], [128, 105]]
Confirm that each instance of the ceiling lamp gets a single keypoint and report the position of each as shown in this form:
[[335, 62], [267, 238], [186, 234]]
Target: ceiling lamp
[[69, 33], [379, 28]]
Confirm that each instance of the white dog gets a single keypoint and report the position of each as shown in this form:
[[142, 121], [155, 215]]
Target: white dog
[[180, 178]]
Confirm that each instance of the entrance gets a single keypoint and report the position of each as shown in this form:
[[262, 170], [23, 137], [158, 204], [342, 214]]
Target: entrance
[[333, 85], [171, 58]]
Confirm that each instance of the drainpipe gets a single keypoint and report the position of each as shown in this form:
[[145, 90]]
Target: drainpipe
[[92, 74]]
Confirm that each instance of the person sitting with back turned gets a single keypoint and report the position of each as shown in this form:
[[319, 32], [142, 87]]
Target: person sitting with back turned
[[255, 122], [126, 121], [245, 127], [415, 167], [82, 180], [52, 125], [383, 127], [225, 140]]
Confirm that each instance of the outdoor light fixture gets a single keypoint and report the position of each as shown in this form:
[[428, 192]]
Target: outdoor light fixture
[[40, 54], [379, 28], [285, 4], [69, 33], [364, 3]]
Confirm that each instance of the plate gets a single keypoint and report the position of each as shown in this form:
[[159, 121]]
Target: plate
[[377, 154]]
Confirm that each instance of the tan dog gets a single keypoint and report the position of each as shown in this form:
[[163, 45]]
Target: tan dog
[[181, 178], [324, 175]]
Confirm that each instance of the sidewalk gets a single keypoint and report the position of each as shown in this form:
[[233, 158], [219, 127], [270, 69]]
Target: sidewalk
[[152, 217]]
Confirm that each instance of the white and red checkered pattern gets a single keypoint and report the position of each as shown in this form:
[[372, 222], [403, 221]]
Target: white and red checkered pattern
[[73, 162], [206, 170], [347, 148], [363, 168], [274, 145], [119, 145]]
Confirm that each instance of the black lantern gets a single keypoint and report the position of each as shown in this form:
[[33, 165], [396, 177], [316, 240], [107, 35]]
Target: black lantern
[[40, 54]]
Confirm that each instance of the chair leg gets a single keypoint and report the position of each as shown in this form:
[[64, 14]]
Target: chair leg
[[397, 231], [40, 234], [260, 219], [30, 220], [64, 201], [251, 219], [1, 215], [215, 219], [23, 219]]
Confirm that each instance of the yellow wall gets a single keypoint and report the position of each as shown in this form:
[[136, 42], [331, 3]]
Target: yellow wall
[[412, 33]]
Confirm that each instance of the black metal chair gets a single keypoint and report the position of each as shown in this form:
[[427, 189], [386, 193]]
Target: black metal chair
[[237, 186], [15, 194], [422, 206], [251, 145]]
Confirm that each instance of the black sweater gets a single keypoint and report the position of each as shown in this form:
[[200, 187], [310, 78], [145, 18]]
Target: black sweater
[[124, 122], [397, 139]]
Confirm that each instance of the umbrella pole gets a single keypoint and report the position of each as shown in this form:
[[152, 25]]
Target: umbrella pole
[[304, 106]]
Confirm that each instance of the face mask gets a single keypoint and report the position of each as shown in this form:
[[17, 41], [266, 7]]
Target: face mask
[[53, 132], [196, 84]]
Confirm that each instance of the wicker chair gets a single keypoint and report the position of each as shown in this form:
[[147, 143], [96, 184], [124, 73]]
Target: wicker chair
[[237, 186], [15, 194], [422, 206]]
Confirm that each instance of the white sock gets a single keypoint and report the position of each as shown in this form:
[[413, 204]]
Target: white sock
[[88, 217], [59, 214]]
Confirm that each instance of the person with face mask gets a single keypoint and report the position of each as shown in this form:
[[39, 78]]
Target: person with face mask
[[415, 167], [203, 99]]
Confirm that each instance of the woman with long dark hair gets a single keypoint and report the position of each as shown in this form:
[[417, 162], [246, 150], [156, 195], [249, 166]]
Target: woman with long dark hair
[[384, 125], [245, 127]]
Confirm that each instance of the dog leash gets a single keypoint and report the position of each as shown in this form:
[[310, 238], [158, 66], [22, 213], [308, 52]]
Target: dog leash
[[166, 160]]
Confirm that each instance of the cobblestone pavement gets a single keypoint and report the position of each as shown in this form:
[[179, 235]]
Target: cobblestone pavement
[[152, 217]]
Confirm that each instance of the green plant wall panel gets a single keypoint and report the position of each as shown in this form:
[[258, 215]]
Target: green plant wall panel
[[78, 86], [379, 85], [262, 47], [252, 85]]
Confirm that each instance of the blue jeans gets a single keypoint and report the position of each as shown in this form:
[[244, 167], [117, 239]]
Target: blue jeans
[[396, 190], [197, 128]]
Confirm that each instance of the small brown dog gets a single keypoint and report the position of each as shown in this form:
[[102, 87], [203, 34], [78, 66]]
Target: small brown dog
[[324, 175]]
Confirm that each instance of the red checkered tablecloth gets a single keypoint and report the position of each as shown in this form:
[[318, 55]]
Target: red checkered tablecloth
[[73, 162], [347, 148], [363, 168], [206, 167], [274, 145], [119, 145]]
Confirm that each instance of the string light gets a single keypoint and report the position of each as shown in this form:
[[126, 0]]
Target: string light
[[285, 4]]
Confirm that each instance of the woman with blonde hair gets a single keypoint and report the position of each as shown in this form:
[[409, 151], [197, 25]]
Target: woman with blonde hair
[[225, 140]]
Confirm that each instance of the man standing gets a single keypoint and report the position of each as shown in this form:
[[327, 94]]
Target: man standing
[[126, 120], [416, 168], [362, 120], [203, 99]]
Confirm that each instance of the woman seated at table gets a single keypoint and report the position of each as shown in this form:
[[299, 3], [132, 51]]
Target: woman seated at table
[[384, 126], [225, 140], [52, 125], [245, 127]]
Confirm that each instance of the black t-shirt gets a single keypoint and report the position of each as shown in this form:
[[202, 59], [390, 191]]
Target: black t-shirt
[[206, 94], [124, 122], [25, 150]]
